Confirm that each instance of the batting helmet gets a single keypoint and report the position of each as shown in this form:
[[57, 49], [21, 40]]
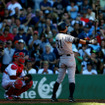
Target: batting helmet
[[61, 26]]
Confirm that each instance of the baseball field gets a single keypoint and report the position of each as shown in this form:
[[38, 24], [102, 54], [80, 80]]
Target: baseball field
[[48, 102], [55, 104]]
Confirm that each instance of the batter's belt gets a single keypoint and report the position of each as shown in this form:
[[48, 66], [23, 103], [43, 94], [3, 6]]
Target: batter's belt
[[66, 55]]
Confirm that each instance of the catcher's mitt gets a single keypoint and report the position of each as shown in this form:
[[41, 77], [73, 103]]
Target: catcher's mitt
[[30, 78]]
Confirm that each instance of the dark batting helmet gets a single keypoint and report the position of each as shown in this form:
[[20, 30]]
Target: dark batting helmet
[[62, 27]]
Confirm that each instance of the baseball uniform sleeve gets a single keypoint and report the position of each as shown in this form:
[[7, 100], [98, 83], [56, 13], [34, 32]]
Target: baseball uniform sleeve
[[11, 70], [69, 38]]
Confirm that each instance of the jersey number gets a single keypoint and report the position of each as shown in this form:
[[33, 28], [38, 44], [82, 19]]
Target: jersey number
[[59, 44]]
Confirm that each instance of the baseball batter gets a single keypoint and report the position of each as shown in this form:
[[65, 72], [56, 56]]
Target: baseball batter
[[14, 80], [67, 59]]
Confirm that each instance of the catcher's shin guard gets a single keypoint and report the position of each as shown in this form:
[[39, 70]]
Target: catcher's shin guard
[[24, 88], [16, 86]]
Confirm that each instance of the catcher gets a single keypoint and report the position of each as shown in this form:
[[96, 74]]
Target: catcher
[[14, 81]]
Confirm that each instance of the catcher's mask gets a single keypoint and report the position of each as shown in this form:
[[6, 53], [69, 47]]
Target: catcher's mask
[[62, 27], [20, 56]]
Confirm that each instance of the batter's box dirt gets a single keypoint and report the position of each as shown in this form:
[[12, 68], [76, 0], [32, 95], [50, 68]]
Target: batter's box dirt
[[49, 101]]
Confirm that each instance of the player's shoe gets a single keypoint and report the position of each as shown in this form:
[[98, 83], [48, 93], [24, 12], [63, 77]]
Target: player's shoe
[[53, 99], [71, 99], [9, 98]]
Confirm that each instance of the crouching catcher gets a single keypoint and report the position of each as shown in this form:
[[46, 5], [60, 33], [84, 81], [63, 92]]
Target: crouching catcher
[[14, 81]]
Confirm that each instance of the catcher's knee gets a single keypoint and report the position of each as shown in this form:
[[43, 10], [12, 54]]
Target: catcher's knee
[[18, 84], [29, 85]]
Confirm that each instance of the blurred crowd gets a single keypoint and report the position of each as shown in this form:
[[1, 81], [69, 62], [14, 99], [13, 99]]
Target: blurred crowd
[[32, 31]]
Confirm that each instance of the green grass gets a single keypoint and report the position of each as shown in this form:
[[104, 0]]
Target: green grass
[[90, 103]]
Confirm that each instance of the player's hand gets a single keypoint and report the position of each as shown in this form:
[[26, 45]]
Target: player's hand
[[26, 78], [93, 41]]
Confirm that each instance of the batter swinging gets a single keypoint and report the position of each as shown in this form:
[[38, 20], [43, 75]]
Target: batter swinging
[[67, 59]]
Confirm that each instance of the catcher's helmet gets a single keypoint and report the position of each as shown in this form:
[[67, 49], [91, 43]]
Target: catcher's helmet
[[18, 54], [61, 26]]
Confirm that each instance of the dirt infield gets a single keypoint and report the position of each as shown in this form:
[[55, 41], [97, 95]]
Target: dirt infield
[[49, 101]]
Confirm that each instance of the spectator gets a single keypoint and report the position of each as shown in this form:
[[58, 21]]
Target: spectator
[[65, 3], [29, 35], [72, 9], [7, 55], [103, 46], [90, 13], [101, 58], [58, 9], [34, 39], [96, 6], [6, 36], [89, 70], [11, 7], [49, 28], [23, 3], [29, 67], [95, 46], [21, 45], [102, 23], [17, 13], [14, 31], [30, 3], [43, 42], [45, 69], [41, 23], [16, 45], [36, 54], [23, 13], [83, 18], [78, 59], [85, 6], [70, 27], [65, 16], [79, 4], [38, 21], [75, 32], [29, 11], [104, 68], [49, 56], [84, 51], [18, 25], [27, 20], [45, 6], [1, 53], [2, 8], [56, 70], [94, 60], [21, 35], [85, 33]]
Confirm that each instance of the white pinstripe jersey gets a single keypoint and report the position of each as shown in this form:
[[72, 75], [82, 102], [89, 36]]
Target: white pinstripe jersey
[[64, 43]]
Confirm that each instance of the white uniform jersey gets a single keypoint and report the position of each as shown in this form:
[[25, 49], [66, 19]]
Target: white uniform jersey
[[9, 72], [64, 43]]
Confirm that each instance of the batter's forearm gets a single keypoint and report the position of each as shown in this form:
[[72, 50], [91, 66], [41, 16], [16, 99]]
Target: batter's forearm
[[82, 41], [86, 41]]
